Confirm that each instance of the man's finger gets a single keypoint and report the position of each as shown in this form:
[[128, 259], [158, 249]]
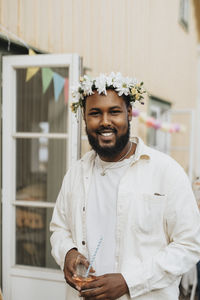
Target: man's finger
[[99, 297], [94, 284], [92, 292], [72, 283]]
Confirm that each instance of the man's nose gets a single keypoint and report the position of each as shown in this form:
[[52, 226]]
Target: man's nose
[[105, 121]]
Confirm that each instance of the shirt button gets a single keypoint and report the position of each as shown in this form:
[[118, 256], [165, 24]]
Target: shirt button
[[83, 208], [83, 243]]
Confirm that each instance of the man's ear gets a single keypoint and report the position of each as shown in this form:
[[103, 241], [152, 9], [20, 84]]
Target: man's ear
[[130, 113]]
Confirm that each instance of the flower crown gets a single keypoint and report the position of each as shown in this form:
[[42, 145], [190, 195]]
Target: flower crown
[[122, 85]]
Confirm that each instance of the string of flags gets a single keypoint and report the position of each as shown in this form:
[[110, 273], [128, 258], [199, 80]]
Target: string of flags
[[157, 124], [59, 82], [47, 74]]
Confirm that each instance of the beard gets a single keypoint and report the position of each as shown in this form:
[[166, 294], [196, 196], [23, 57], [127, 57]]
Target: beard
[[111, 151]]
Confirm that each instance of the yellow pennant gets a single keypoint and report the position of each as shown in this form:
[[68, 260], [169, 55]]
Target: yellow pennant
[[33, 70]]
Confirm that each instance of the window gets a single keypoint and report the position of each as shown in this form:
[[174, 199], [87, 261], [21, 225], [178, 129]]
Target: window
[[40, 164], [184, 13], [156, 138]]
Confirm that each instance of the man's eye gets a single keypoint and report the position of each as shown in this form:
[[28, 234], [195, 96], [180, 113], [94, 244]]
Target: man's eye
[[115, 112], [94, 113]]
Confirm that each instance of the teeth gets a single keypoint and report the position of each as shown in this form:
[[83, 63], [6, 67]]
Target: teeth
[[106, 133]]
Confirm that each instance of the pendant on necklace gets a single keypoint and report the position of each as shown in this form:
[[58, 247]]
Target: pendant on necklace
[[103, 173]]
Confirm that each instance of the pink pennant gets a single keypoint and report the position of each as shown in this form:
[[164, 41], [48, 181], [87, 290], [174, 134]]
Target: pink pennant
[[150, 121], [66, 90], [135, 112], [157, 124]]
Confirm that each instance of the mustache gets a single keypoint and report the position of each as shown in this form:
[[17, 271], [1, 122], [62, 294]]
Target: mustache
[[104, 128]]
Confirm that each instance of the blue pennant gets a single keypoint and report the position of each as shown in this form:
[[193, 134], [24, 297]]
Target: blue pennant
[[59, 82]]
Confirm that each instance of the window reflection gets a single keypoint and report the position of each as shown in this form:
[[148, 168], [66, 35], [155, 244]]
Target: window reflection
[[34, 106], [43, 148], [40, 168], [32, 237]]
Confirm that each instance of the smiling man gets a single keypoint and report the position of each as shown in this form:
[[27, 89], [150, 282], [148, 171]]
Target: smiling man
[[107, 125], [136, 199]]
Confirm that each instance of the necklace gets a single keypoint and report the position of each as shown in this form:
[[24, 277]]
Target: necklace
[[103, 173]]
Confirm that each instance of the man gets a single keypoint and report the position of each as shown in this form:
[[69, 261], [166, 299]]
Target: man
[[138, 200]]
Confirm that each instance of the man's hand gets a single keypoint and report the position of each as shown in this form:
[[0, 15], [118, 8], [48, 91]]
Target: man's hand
[[106, 287], [72, 259]]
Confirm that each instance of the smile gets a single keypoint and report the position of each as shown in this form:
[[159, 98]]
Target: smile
[[106, 133]]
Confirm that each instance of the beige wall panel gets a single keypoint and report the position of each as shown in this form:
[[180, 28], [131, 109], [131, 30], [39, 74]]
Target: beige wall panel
[[42, 24], [9, 15], [27, 16], [78, 35], [167, 49], [67, 36], [55, 21]]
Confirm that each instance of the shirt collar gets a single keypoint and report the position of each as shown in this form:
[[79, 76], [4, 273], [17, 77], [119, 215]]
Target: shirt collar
[[142, 151]]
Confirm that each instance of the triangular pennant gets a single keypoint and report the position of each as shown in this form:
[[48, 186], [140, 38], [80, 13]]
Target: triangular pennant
[[66, 89], [31, 52], [30, 72], [59, 82], [47, 75]]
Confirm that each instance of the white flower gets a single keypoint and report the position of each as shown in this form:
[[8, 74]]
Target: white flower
[[117, 80], [110, 79], [123, 87], [100, 84], [87, 85], [75, 92], [134, 81]]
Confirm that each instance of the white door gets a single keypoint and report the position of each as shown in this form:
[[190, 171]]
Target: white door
[[40, 141]]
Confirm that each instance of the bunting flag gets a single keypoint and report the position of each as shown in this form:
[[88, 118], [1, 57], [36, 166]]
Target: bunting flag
[[66, 90], [47, 75], [30, 72], [157, 124], [59, 82]]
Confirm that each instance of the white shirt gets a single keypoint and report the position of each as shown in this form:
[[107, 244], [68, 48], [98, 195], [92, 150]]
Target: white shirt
[[102, 213], [157, 228]]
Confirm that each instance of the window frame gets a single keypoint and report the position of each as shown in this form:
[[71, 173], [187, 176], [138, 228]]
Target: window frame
[[184, 14], [10, 64]]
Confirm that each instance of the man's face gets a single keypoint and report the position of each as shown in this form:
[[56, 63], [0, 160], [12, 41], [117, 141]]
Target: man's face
[[107, 123]]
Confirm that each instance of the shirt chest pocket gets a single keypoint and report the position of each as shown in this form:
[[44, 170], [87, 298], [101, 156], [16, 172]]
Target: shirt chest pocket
[[148, 216]]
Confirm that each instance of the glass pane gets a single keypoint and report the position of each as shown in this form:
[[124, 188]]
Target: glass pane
[[40, 168], [32, 237], [37, 106]]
